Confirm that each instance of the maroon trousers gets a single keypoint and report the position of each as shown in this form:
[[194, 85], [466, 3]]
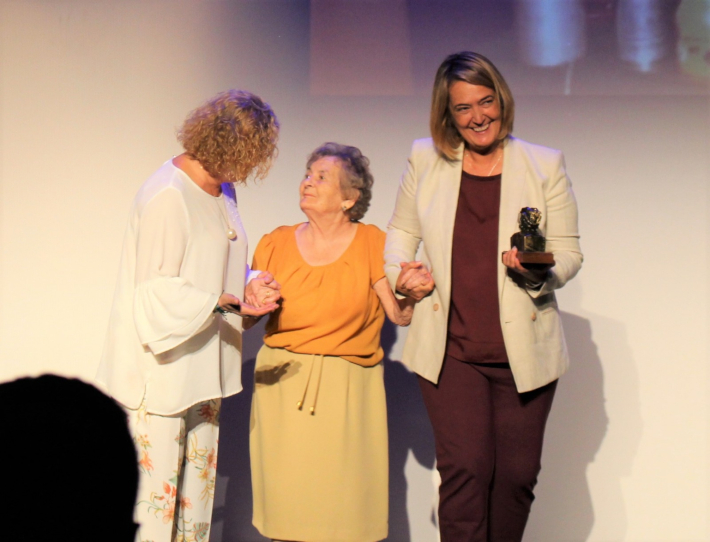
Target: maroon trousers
[[488, 447]]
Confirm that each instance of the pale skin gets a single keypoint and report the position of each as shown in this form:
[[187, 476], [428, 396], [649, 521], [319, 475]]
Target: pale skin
[[263, 287], [414, 281], [475, 111], [329, 231]]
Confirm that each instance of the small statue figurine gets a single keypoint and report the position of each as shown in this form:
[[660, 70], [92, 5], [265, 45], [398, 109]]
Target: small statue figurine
[[529, 238], [530, 242]]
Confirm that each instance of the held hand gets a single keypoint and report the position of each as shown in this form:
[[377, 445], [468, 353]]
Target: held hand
[[257, 312], [414, 280], [511, 261], [262, 290], [230, 303]]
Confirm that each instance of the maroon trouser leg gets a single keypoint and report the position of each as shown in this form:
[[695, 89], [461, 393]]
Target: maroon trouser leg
[[488, 447]]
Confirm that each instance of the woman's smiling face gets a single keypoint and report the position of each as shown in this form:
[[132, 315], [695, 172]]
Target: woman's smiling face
[[475, 112]]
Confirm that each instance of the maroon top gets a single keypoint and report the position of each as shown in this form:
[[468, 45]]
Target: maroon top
[[474, 333]]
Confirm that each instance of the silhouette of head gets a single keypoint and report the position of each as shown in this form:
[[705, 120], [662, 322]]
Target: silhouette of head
[[69, 462]]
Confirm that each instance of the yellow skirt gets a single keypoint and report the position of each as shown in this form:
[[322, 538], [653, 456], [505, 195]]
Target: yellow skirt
[[318, 443]]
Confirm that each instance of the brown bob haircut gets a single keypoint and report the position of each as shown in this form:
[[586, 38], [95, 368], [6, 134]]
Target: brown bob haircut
[[232, 135], [475, 69], [356, 180]]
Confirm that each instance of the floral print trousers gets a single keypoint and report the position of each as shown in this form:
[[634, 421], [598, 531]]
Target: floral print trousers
[[177, 457]]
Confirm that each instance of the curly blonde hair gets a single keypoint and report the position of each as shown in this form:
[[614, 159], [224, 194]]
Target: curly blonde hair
[[356, 178], [233, 136]]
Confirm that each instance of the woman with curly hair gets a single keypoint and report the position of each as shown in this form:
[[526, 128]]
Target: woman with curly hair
[[173, 348], [319, 419]]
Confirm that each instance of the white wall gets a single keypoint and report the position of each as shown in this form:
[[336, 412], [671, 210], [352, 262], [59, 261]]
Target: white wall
[[91, 93]]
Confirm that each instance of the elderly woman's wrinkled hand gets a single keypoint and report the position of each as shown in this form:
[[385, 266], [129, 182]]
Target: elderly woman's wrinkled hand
[[414, 280], [262, 290]]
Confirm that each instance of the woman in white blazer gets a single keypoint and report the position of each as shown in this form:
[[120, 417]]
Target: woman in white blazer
[[487, 342], [170, 356]]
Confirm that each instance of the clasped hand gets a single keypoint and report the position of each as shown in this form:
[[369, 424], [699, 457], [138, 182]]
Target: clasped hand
[[262, 290], [414, 280], [260, 297]]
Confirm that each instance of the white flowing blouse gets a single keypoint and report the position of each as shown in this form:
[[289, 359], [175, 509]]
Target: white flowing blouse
[[165, 345]]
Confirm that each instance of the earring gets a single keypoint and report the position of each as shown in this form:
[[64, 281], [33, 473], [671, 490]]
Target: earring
[[345, 208]]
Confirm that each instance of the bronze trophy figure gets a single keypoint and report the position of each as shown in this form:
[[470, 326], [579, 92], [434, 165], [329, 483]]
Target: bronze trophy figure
[[530, 242]]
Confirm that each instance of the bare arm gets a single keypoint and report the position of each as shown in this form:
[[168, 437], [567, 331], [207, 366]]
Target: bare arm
[[399, 311]]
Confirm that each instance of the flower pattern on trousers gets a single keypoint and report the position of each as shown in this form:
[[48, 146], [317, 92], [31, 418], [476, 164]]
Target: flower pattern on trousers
[[175, 501], [167, 505], [210, 412], [205, 461], [145, 464]]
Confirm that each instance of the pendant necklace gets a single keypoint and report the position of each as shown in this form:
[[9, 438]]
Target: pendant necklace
[[494, 165]]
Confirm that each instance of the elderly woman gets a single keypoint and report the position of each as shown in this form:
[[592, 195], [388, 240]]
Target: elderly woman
[[319, 419], [487, 344], [173, 348]]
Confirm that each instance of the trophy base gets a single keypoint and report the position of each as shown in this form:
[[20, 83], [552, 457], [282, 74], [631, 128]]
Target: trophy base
[[546, 258], [536, 261]]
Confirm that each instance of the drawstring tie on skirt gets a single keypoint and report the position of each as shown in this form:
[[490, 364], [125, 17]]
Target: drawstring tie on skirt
[[305, 391]]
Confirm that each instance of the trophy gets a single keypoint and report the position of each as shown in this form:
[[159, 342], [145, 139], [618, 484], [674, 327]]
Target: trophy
[[530, 242]]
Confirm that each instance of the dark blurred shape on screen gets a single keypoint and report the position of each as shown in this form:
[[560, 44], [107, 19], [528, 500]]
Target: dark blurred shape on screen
[[360, 48], [601, 10], [644, 32], [693, 21], [544, 47]]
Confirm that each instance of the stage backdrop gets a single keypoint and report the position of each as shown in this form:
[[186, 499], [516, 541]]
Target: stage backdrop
[[91, 93]]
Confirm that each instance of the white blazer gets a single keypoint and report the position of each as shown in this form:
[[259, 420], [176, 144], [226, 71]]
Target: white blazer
[[533, 176]]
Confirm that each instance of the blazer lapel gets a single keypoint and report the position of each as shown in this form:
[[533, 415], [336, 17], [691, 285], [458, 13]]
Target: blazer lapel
[[511, 196]]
